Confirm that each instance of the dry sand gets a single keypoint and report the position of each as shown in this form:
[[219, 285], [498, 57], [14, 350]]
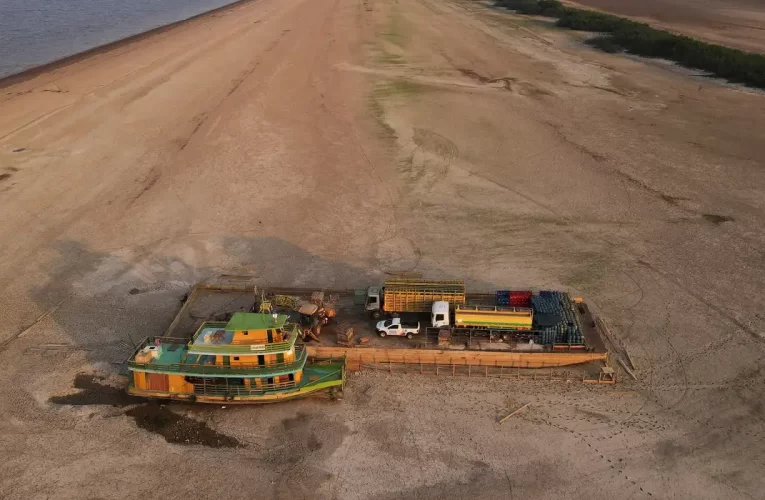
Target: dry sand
[[324, 143]]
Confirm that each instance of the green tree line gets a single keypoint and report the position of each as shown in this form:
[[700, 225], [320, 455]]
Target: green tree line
[[617, 34]]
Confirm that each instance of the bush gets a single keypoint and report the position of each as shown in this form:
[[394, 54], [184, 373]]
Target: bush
[[587, 20], [528, 7], [550, 8], [605, 43], [731, 64]]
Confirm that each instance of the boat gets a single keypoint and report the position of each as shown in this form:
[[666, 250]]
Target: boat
[[253, 358]]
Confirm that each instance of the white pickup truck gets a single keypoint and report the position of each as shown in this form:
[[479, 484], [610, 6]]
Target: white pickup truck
[[398, 328]]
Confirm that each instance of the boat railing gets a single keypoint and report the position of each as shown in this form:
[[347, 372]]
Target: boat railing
[[239, 369], [240, 390], [231, 390], [289, 330]]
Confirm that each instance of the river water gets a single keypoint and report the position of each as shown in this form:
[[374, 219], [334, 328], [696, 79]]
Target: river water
[[35, 32]]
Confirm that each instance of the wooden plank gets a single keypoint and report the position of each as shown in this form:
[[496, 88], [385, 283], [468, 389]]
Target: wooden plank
[[516, 412], [189, 300], [629, 359], [626, 369], [373, 355]]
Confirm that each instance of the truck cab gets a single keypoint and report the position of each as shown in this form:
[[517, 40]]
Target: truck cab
[[439, 316], [373, 304]]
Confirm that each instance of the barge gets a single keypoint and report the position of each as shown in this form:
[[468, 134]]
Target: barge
[[221, 300]]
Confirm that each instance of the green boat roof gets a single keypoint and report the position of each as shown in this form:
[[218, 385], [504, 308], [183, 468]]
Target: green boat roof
[[255, 321]]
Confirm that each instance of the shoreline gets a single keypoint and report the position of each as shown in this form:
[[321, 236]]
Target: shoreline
[[29, 74]]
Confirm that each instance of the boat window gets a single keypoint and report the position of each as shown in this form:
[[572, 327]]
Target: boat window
[[236, 358], [439, 317], [246, 332]]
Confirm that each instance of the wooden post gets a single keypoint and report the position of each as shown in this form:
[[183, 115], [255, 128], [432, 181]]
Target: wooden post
[[626, 369], [629, 359], [503, 419]]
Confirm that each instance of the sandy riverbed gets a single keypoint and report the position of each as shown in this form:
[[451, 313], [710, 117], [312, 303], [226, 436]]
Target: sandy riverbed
[[326, 143]]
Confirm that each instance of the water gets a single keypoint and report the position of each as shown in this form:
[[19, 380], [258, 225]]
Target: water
[[35, 32]]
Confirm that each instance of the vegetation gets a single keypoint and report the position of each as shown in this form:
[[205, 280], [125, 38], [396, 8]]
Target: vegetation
[[550, 8], [619, 34]]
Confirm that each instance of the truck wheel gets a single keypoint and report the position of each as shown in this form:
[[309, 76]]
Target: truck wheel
[[376, 314], [410, 335], [381, 334]]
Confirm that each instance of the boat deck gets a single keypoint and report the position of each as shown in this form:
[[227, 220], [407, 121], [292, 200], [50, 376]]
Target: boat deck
[[172, 353], [213, 334]]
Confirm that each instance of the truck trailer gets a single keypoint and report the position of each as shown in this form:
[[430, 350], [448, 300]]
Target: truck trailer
[[398, 296], [540, 323], [506, 318]]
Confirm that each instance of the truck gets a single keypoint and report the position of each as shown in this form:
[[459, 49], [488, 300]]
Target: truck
[[397, 328], [483, 320], [398, 296], [481, 316]]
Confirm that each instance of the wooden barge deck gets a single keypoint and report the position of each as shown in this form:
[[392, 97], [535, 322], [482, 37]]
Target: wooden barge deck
[[208, 300], [357, 357]]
